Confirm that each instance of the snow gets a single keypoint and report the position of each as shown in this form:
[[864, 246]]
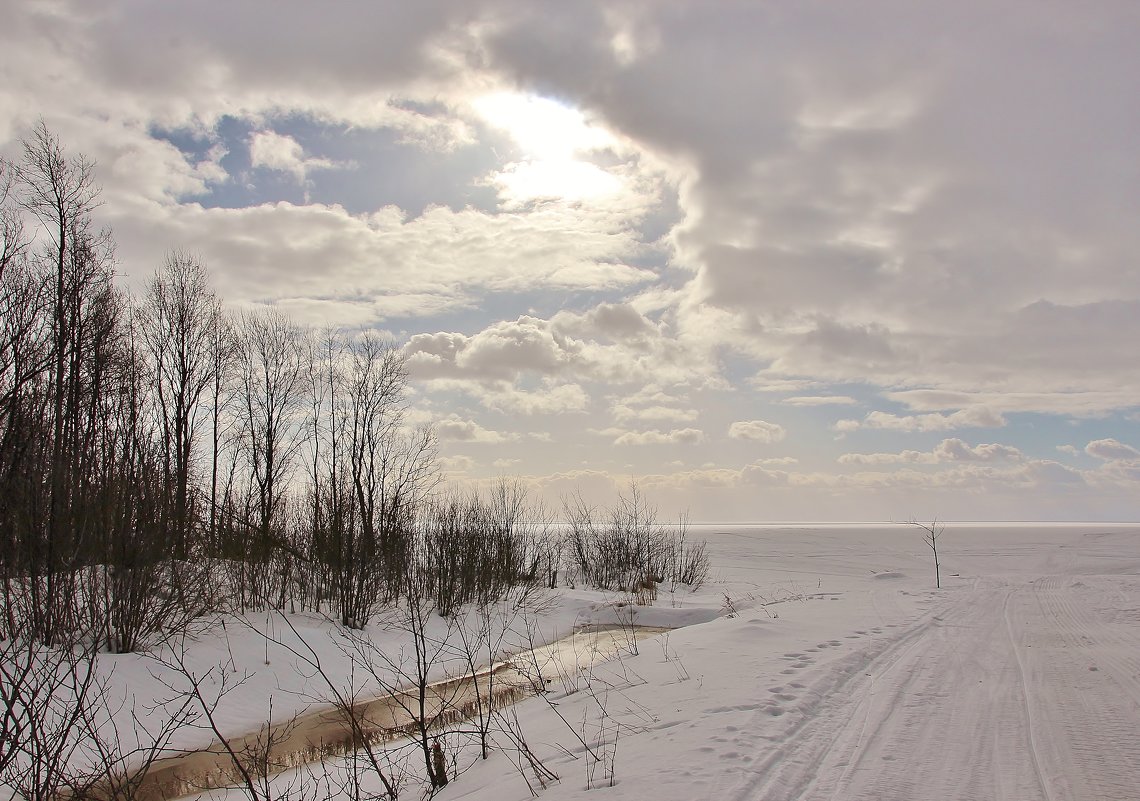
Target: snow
[[820, 663]]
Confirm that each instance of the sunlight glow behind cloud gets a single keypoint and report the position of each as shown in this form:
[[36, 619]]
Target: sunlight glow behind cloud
[[551, 137], [544, 129]]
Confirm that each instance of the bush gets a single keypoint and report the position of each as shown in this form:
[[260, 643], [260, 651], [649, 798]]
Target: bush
[[626, 549]]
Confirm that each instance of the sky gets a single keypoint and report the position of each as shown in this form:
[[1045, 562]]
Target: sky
[[771, 261]]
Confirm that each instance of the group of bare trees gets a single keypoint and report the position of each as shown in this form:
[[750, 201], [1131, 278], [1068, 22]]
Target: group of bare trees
[[72, 452], [151, 448], [146, 439]]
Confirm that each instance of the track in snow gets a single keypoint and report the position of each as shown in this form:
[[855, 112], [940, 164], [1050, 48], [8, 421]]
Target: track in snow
[[1027, 691]]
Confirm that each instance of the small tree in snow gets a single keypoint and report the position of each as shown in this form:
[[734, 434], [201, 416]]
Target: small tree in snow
[[933, 531]]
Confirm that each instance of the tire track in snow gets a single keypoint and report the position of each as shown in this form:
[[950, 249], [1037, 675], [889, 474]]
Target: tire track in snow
[[1031, 728], [947, 724], [940, 713], [1083, 681], [795, 760], [1022, 693]]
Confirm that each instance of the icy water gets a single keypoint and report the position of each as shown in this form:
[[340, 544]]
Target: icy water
[[330, 732]]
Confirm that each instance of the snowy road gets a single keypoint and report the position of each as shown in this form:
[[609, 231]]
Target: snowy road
[[1023, 689]]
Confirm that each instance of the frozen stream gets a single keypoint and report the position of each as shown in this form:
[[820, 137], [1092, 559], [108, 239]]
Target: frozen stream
[[326, 732]]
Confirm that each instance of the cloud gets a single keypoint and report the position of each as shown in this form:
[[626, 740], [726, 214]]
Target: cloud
[[456, 429], [282, 153], [549, 397], [1125, 473], [1046, 472], [756, 431], [819, 400], [562, 347], [1076, 402], [975, 417], [678, 436], [654, 402], [456, 464], [501, 352], [948, 450], [1023, 476], [871, 217], [955, 450], [505, 349], [613, 321], [377, 260], [625, 414], [905, 233], [1111, 449]]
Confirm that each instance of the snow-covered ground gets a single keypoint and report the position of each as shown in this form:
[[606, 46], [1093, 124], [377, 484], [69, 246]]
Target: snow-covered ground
[[821, 663]]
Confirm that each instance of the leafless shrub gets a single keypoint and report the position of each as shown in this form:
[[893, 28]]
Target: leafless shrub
[[46, 691], [475, 549], [625, 548]]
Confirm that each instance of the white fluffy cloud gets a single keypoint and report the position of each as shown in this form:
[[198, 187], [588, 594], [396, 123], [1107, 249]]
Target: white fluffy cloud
[[566, 346], [548, 397], [1110, 449], [624, 414], [457, 429], [1092, 402], [378, 261], [677, 436], [875, 215], [756, 431], [276, 151]]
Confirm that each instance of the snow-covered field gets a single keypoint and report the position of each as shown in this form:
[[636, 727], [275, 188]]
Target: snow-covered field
[[821, 663]]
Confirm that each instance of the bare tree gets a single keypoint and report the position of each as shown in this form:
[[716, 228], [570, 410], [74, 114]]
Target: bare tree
[[224, 351], [124, 742], [25, 349], [271, 398], [179, 319], [25, 359], [370, 472], [347, 700], [483, 642], [329, 502], [631, 551], [386, 479], [128, 585], [932, 533], [249, 761], [60, 193]]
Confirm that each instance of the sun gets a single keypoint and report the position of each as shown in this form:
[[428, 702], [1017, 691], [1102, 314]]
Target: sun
[[555, 142]]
